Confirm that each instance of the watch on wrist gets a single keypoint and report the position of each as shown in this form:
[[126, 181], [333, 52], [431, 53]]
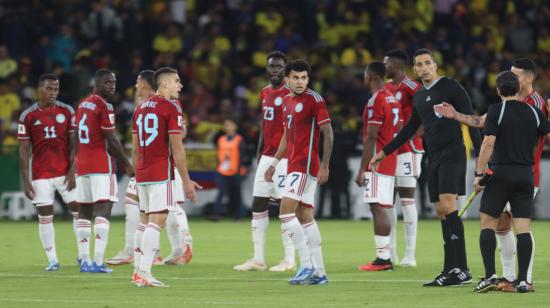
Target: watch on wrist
[[478, 174]]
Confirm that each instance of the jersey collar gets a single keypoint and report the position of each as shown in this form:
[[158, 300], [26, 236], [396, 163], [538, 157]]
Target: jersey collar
[[433, 83]]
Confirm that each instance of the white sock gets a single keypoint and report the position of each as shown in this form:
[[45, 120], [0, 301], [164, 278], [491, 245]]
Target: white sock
[[138, 239], [101, 231], [315, 247], [260, 222], [47, 236], [173, 236], [530, 268], [392, 215], [292, 227], [382, 246], [75, 226], [290, 257], [410, 225], [507, 244], [149, 246], [84, 229], [132, 221], [184, 233]]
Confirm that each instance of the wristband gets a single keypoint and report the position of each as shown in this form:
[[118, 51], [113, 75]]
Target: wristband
[[477, 175], [274, 162]]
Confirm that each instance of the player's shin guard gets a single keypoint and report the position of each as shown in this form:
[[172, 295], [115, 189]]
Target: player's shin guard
[[290, 256], [101, 230], [149, 246], [507, 243], [259, 223], [75, 225], [292, 227], [172, 229], [132, 221], [382, 243], [138, 240], [47, 236], [84, 228], [456, 228], [487, 245], [392, 215], [449, 254], [410, 225], [314, 242], [530, 268], [525, 248]]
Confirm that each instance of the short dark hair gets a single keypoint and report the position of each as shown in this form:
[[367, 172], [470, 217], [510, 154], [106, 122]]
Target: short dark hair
[[298, 65], [423, 51], [162, 71], [377, 68], [100, 73], [148, 76], [398, 54], [277, 54], [47, 76], [507, 83], [525, 64]]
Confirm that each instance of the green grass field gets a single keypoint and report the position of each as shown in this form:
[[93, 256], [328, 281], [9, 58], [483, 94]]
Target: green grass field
[[210, 280]]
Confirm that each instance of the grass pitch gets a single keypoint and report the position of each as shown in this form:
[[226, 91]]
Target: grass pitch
[[209, 279]]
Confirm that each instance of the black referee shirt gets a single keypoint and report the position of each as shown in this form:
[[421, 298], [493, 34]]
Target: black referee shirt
[[439, 132], [517, 127]]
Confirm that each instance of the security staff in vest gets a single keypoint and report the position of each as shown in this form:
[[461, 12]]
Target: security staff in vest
[[512, 130], [231, 167]]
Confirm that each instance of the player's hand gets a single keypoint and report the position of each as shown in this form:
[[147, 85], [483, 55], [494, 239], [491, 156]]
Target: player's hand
[[268, 175], [446, 110], [375, 161], [70, 180], [130, 172], [190, 190], [29, 191], [322, 176], [360, 179], [477, 187]]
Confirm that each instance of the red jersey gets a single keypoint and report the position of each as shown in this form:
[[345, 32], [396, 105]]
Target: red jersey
[[537, 101], [303, 115], [48, 131], [404, 92], [154, 120], [383, 110], [272, 109], [93, 116]]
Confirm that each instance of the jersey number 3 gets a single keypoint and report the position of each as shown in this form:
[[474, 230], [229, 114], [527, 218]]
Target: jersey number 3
[[147, 125]]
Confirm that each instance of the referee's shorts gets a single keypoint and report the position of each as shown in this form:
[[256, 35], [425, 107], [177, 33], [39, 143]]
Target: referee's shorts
[[510, 183], [447, 171]]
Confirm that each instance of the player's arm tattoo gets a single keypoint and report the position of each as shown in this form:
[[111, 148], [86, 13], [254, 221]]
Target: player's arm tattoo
[[328, 140], [471, 120]]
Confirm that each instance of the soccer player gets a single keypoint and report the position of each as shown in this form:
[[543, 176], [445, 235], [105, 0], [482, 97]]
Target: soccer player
[[380, 124], [526, 72], [157, 145], [96, 180], [512, 129], [408, 158], [305, 116], [271, 98], [447, 164], [47, 127]]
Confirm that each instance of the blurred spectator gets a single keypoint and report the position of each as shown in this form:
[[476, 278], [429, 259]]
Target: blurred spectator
[[63, 48], [168, 41], [8, 65], [9, 104]]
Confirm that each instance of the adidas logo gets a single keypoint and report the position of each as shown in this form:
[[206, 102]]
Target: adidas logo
[[428, 98], [84, 240], [37, 123], [292, 191], [454, 237], [97, 237]]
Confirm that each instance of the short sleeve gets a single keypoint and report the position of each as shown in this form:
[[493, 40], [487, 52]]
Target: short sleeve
[[544, 126], [134, 125], [23, 129], [107, 117], [71, 124], [375, 113], [320, 112], [491, 121], [175, 121]]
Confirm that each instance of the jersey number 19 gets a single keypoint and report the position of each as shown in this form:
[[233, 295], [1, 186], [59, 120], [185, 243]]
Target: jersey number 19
[[147, 125]]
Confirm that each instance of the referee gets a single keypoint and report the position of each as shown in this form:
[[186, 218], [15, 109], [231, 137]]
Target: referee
[[512, 130], [446, 160]]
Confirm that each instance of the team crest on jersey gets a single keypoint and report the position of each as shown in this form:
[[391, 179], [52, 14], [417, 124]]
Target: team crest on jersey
[[21, 129], [278, 101], [112, 119], [398, 95], [299, 107], [60, 118]]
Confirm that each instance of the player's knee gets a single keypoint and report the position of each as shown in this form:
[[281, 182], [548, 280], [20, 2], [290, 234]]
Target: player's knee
[[103, 210], [260, 204], [45, 210], [73, 206], [406, 192], [304, 214], [522, 225], [504, 223], [487, 221]]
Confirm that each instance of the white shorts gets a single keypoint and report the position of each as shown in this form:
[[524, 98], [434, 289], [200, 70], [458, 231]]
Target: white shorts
[[379, 188], [131, 190], [408, 169], [96, 188], [44, 190], [301, 187], [179, 193], [275, 189], [156, 198]]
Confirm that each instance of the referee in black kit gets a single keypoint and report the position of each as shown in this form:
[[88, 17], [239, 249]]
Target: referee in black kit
[[446, 160], [512, 130]]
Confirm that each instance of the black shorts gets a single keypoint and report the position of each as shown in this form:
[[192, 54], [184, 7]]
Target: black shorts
[[512, 184], [447, 171]]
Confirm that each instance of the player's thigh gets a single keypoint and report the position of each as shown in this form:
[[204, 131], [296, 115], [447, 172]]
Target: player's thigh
[[379, 188], [280, 175], [263, 188], [104, 188], [433, 181], [179, 193], [301, 187], [495, 196], [84, 190], [44, 190], [521, 201], [67, 195], [408, 165], [131, 197], [156, 198], [452, 176]]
